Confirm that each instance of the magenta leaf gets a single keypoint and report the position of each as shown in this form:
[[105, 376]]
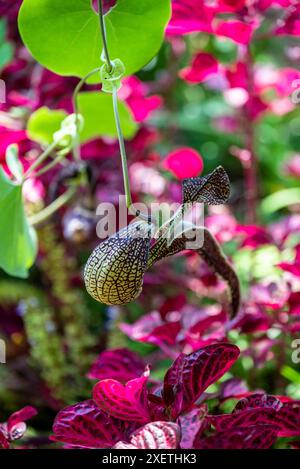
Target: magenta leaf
[[153, 330], [84, 425], [126, 402], [157, 435], [189, 16], [4, 442], [253, 437], [248, 417], [20, 417], [288, 419], [154, 435], [264, 401], [192, 424], [123, 445], [190, 375], [120, 364]]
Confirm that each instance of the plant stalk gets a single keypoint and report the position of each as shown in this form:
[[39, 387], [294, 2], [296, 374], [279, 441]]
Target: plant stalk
[[52, 208], [40, 160], [104, 38]]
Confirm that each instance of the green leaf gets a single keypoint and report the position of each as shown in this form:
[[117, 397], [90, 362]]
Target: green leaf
[[279, 200], [6, 48], [97, 111], [43, 123], [18, 239], [64, 36], [13, 162]]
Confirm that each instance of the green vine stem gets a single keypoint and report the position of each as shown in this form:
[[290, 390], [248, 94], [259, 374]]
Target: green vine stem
[[110, 69], [40, 160], [52, 208], [76, 151], [122, 149], [104, 39]]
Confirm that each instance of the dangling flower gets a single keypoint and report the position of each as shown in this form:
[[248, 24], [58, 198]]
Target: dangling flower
[[115, 270]]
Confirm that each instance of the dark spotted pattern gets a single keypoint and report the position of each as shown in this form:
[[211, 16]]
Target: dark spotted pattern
[[213, 189], [114, 272]]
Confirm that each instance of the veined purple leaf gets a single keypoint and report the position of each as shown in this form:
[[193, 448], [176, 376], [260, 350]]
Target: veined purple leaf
[[248, 417], [253, 437], [84, 425], [20, 417], [4, 443], [190, 375], [154, 435], [253, 401], [288, 419], [192, 424], [153, 330], [126, 402], [120, 364], [157, 435], [123, 445]]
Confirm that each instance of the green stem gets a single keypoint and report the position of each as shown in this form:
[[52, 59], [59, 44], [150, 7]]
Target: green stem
[[118, 124], [49, 166], [104, 38], [40, 159], [122, 149], [52, 208], [77, 90]]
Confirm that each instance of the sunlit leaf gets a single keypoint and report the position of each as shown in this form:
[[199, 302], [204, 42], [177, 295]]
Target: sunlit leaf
[[18, 239], [43, 123], [97, 111], [64, 36]]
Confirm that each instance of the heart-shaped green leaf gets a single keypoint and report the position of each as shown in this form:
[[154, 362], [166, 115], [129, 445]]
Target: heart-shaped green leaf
[[43, 123], [18, 248], [98, 114], [97, 111], [64, 36]]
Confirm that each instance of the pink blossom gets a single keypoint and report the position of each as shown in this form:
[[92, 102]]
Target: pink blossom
[[237, 75], [227, 6], [184, 163], [236, 30], [9, 136], [256, 107], [291, 26], [146, 179], [134, 92], [203, 66], [34, 190], [190, 16], [264, 4], [292, 167]]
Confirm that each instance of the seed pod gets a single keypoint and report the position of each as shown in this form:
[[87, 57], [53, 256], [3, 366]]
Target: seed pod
[[114, 272]]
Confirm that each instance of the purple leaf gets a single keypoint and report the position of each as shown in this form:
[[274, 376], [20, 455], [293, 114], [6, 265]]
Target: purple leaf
[[157, 435], [120, 364], [256, 437], [248, 417], [154, 435], [126, 402], [192, 424], [260, 400], [21, 416], [153, 330], [190, 375], [84, 425], [288, 419]]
